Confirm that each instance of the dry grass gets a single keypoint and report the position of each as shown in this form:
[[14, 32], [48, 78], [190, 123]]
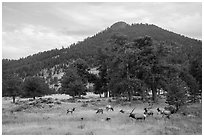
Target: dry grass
[[55, 121]]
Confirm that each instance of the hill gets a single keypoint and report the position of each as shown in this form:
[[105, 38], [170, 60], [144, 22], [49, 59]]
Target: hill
[[56, 60]]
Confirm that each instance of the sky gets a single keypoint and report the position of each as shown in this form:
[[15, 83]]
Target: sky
[[29, 28]]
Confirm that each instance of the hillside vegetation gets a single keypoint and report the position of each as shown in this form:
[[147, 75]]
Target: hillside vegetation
[[167, 53], [87, 49]]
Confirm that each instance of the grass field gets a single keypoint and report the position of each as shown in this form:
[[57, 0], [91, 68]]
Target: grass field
[[53, 120]]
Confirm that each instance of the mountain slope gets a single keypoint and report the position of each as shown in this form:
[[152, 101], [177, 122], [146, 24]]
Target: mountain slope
[[87, 49]]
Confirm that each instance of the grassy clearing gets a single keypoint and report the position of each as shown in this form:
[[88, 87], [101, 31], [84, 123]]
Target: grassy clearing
[[55, 121]]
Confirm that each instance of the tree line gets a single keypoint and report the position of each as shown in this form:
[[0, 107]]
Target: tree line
[[32, 87]]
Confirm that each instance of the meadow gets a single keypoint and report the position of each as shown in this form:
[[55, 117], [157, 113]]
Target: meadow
[[29, 118]]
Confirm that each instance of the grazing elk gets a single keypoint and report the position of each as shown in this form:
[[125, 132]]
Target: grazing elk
[[148, 112], [100, 110], [108, 118], [164, 112], [138, 116], [171, 108], [109, 107], [122, 111], [70, 110]]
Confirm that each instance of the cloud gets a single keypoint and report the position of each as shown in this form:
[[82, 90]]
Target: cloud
[[189, 25], [32, 39]]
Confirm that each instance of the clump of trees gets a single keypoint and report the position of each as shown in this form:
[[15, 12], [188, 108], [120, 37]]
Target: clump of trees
[[177, 91], [72, 83], [34, 87], [13, 86], [77, 76], [127, 68]]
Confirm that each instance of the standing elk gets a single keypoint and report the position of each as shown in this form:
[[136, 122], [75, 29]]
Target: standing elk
[[100, 110], [108, 119], [138, 116], [70, 110], [122, 111], [109, 107], [167, 113], [171, 108]]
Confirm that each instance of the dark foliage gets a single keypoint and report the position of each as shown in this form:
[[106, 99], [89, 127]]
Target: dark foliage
[[177, 92], [72, 83], [11, 86], [35, 87]]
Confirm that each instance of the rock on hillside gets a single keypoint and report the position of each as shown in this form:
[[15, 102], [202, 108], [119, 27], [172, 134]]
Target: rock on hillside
[[119, 25]]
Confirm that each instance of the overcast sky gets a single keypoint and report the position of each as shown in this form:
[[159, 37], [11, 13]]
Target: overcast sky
[[29, 28]]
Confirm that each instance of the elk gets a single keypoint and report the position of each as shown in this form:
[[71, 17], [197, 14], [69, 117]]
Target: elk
[[108, 118], [100, 110], [122, 111], [171, 108], [109, 107], [164, 112], [137, 117], [70, 110]]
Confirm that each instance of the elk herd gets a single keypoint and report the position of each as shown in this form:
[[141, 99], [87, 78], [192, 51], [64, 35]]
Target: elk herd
[[165, 112]]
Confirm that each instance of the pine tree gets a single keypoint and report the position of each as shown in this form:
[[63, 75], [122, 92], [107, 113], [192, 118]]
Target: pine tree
[[11, 86], [72, 84], [35, 87], [177, 93]]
